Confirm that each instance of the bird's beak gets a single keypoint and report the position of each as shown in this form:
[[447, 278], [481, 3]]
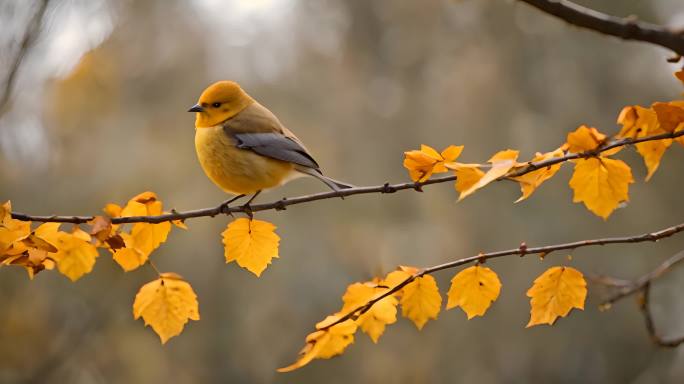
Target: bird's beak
[[196, 108]]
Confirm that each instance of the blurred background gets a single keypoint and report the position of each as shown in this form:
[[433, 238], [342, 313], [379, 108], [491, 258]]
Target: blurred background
[[97, 115]]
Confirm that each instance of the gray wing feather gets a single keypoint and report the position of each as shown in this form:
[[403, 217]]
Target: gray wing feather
[[276, 146]]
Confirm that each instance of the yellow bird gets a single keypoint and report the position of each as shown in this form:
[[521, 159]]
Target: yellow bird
[[242, 146]]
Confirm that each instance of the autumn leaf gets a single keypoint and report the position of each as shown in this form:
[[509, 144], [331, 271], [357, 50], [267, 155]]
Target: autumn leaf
[[143, 238], [397, 277], [325, 343], [166, 304], [5, 212], [75, 255], [382, 313], [638, 122], [420, 300], [554, 293], [601, 184], [501, 163], [585, 139], [530, 181], [474, 289], [422, 163], [251, 243], [466, 175], [12, 232]]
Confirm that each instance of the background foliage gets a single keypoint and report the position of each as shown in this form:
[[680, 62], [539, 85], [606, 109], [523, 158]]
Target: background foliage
[[99, 116]]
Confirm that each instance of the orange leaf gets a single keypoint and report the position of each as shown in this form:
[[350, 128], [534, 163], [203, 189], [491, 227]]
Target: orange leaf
[[75, 255], [324, 344], [502, 162], [422, 163], [638, 122], [420, 300], [374, 320], [601, 184], [530, 181], [585, 139], [251, 243], [166, 304], [474, 289], [554, 293]]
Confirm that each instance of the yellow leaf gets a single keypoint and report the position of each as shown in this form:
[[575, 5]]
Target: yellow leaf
[[112, 210], [420, 300], [12, 232], [75, 254], [670, 116], [422, 163], [21, 247], [252, 243], [373, 321], [5, 212], [148, 237], [474, 289], [397, 277], [554, 293], [450, 154], [601, 184], [638, 122], [129, 258], [144, 237], [530, 181], [324, 344], [466, 175], [585, 139], [166, 304], [502, 162]]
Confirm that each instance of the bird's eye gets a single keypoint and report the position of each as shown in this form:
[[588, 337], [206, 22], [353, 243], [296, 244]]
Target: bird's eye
[[216, 105]]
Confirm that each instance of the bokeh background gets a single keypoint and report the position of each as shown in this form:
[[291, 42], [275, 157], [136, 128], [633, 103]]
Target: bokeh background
[[97, 115]]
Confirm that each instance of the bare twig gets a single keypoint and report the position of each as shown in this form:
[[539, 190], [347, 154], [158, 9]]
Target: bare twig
[[627, 28], [27, 40], [644, 306], [627, 288], [521, 251], [385, 188]]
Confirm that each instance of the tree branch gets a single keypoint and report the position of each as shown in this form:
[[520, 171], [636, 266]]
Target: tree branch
[[628, 288], [627, 28], [29, 37], [520, 251], [644, 306], [283, 203]]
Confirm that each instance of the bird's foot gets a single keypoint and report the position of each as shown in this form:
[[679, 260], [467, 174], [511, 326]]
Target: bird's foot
[[225, 206], [247, 210]]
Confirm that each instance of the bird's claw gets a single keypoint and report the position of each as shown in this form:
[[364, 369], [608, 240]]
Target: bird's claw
[[247, 209]]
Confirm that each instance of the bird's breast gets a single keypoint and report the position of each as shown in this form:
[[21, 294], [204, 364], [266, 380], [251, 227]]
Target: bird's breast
[[235, 170]]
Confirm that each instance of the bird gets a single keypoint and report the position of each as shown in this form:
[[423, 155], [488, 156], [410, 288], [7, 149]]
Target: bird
[[244, 149]]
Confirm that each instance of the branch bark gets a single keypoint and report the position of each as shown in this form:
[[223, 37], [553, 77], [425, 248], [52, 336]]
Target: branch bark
[[283, 203], [626, 28], [645, 307], [520, 251], [27, 40]]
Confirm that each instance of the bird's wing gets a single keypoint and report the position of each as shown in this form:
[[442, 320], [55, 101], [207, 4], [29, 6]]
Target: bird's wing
[[257, 129], [276, 146]]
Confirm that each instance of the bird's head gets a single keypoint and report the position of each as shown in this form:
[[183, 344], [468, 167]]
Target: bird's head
[[219, 102]]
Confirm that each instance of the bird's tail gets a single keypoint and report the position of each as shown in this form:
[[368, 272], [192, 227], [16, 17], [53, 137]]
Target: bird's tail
[[335, 185]]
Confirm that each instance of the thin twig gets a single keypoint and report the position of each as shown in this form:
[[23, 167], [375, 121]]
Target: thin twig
[[521, 251], [27, 40], [627, 28], [645, 307], [631, 287], [382, 189]]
